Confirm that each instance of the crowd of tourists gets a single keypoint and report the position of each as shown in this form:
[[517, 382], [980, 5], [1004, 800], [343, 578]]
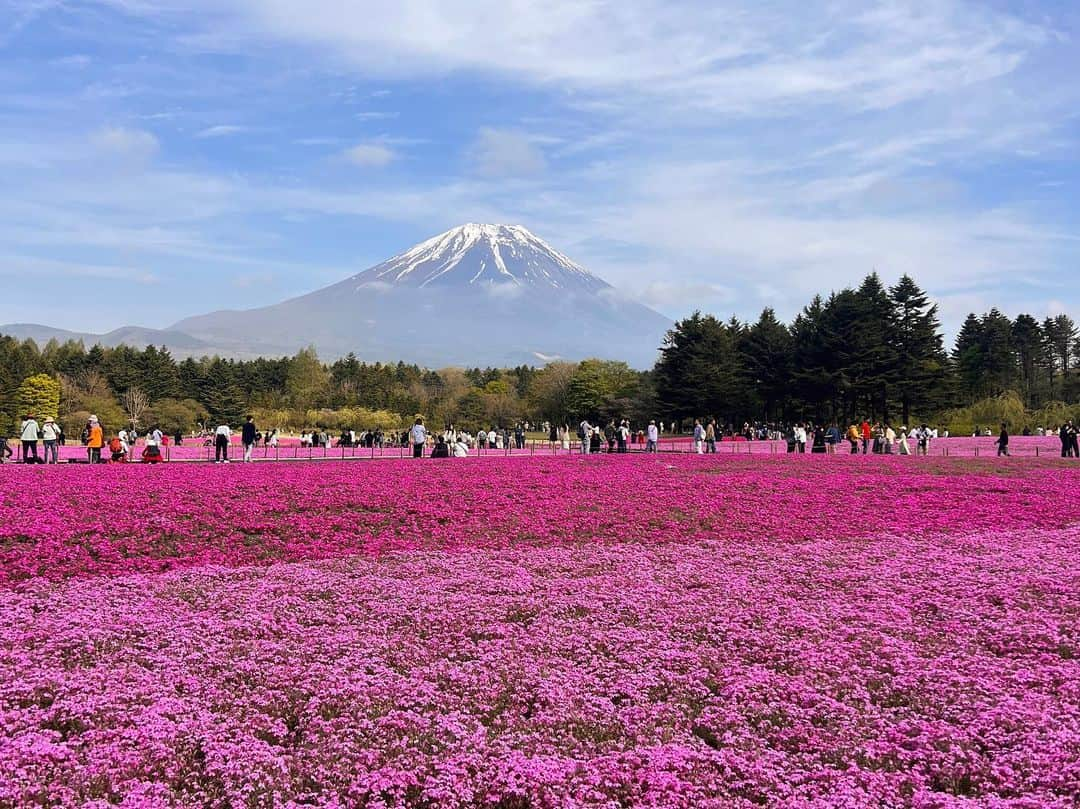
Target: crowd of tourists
[[50, 433], [616, 436]]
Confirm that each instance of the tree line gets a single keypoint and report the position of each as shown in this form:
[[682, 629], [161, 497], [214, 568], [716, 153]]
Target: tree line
[[865, 352], [868, 351]]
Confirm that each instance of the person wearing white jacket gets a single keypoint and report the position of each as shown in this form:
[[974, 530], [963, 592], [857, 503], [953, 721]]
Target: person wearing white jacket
[[222, 436], [50, 434], [418, 436], [652, 436], [29, 435]]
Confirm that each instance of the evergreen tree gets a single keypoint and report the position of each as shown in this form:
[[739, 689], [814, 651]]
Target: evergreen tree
[[1027, 340], [968, 357], [872, 366], [766, 349], [917, 344], [998, 359]]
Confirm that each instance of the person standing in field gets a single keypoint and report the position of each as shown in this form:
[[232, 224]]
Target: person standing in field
[[418, 436], [890, 439], [867, 434], [50, 435], [1067, 433], [905, 448], [29, 434], [652, 437], [853, 436], [94, 441], [800, 438], [247, 437], [222, 436], [1003, 441], [585, 435], [710, 437], [832, 438], [699, 438]]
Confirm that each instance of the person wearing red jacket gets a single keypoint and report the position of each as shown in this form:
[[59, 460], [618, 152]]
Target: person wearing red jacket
[[867, 434]]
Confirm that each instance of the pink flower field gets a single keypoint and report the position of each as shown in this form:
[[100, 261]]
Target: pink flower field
[[525, 632]]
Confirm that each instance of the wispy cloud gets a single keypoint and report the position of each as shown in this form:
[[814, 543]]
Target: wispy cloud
[[370, 155], [506, 153], [222, 131], [119, 140]]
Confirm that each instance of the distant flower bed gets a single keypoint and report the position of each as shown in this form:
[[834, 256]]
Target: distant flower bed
[[667, 631]]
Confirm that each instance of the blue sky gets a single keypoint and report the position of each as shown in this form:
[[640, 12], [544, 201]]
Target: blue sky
[[161, 158]]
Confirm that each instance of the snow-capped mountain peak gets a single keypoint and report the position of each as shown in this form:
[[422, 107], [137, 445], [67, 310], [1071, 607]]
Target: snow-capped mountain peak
[[483, 255]]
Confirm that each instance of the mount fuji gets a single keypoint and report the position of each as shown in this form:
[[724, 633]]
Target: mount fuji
[[476, 295]]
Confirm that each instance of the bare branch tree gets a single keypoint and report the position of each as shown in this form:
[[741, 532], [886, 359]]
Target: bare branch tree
[[135, 403], [92, 382]]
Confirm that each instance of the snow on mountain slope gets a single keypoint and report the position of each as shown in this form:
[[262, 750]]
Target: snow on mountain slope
[[483, 255], [477, 295]]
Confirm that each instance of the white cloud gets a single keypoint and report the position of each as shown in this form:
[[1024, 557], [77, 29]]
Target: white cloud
[[667, 294], [749, 58], [370, 155], [506, 153], [221, 131], [118, 140], [31, 266]]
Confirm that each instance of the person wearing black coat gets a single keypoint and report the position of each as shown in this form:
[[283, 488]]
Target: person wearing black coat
[[248, 436]]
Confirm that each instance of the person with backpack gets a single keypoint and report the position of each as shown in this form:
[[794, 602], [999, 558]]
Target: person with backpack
[[118, 450], [50, 435], [29, 434]]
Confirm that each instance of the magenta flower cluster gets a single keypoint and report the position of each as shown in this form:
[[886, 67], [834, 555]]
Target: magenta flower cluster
[[548, 632]]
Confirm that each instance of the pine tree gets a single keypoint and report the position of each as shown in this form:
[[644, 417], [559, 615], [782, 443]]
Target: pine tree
[[873, 364], [915, 334], [1027, 340], [968, 357], [998, 357], [766, 350]]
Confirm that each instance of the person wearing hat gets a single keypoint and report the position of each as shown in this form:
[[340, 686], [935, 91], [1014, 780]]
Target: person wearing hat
[[95, 441], [29, 435], [50, 434]]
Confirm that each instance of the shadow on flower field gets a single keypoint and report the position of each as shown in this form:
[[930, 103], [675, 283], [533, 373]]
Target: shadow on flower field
[[611, 631]]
